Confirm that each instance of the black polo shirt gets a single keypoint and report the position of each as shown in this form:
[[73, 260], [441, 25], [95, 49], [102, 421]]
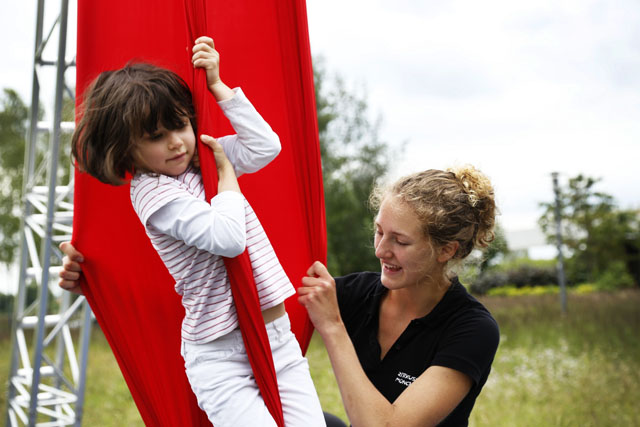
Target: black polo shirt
[[459, 333]]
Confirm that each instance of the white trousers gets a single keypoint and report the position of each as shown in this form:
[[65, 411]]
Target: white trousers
[[222, 380]]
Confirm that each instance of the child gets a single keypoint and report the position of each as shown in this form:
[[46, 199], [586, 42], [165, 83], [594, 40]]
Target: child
[[140, 120]]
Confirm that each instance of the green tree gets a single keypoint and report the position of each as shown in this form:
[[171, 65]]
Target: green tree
[[353, 158], [595, 232], [496, 251], [14, 116], [13, 125]]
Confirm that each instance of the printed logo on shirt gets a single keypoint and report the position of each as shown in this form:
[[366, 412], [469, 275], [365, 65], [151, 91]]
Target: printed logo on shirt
[[405, 379]]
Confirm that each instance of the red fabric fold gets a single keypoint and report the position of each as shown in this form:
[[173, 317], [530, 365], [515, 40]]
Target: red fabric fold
[[264, 48], [243, 287]]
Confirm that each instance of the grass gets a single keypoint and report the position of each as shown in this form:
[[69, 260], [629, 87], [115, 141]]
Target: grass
[[551, 369], [554, 369]]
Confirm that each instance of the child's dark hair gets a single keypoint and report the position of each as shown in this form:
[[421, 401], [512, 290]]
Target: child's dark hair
[[121, 106]]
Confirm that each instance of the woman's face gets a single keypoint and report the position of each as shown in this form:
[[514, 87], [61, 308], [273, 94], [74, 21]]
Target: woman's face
[[406, 257]]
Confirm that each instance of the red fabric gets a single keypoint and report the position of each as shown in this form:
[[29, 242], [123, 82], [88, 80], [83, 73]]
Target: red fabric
[[264, 49], [243, 286]]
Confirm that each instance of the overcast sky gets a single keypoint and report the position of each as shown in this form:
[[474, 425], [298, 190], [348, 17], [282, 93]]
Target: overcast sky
[[517, 88]]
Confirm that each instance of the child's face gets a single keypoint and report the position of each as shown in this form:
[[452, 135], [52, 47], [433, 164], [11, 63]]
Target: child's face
[[168, 152]]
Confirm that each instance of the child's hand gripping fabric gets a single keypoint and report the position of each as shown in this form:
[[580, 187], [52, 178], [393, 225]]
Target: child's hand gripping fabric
[[205, 56], [227, 180]]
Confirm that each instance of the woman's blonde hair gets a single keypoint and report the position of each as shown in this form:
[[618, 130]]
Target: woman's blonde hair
[[456, 205]]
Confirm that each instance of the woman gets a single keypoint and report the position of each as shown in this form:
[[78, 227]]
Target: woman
[[409, 346]]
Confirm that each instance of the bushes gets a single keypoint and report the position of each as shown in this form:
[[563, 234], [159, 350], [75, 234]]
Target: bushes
[[525, 273], [615, 277], [7, 300], [6, 303], [518, 275], [489, 280]]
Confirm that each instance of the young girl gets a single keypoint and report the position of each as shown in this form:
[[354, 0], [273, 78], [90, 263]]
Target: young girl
[[140, 120]]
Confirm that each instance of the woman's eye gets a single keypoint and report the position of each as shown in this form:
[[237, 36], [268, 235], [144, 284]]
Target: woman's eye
[[156, 136]]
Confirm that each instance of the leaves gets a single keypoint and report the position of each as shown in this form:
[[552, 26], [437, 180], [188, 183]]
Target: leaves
[[595, 232], [13, 126], [353, 158], [14, 117]]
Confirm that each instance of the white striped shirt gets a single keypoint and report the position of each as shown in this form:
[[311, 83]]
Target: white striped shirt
[[190, 235]]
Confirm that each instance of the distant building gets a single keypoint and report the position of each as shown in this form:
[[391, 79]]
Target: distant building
[[531, 243]]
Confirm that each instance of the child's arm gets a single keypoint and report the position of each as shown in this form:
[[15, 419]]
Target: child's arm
[[219, 228], [255, 144]]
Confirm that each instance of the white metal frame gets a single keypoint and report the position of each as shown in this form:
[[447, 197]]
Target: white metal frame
[[47, 379]]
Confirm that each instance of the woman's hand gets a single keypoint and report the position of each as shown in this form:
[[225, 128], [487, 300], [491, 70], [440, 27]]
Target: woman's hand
[[71, 269], [205, 56], [318, 295]]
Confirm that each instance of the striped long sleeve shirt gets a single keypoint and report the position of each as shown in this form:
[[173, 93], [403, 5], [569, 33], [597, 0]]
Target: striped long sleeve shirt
[[191, 236]]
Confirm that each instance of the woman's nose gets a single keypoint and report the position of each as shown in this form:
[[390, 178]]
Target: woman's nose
[[382, 250]]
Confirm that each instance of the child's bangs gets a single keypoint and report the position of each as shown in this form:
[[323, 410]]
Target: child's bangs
[[161, 114], [165, 103]]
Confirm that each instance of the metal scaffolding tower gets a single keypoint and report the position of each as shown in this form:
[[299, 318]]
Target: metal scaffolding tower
[[47, 378]]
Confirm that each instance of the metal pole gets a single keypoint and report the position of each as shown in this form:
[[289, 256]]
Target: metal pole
[[29, 167], [51, 208], [560, 265], [84, 358]]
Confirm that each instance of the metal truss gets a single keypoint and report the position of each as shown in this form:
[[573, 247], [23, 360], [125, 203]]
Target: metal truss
[[47, 379]]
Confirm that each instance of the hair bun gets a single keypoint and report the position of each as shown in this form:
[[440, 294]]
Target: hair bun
[[480, 196], [474, 183]]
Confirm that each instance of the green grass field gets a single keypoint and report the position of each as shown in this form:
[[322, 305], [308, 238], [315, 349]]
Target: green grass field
[[578, 369]]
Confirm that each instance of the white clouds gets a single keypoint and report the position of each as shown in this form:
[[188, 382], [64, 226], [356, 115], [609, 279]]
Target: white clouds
[[520, 89]]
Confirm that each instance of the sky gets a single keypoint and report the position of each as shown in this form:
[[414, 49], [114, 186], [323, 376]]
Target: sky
[[517, 88]]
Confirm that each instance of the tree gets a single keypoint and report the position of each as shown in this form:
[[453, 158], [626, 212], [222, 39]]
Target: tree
[[496, 251], [14, 116], [353, 158], [13, 127], [595, 232]]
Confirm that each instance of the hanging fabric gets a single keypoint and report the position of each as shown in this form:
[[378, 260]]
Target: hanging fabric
[[264, 49], [239, 270]]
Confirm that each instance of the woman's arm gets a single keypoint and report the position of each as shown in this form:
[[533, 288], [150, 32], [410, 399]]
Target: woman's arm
[[426, 402]]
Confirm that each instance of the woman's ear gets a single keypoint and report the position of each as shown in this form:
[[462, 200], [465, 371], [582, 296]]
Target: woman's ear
[[446, 252]]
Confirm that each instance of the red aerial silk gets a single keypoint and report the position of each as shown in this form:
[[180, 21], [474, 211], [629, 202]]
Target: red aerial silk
[[264, 48]]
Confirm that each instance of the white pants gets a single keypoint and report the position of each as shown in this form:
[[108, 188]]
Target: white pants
[[222, 380]]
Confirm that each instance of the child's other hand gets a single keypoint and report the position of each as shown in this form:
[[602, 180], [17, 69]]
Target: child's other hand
[[227, 180], [222, 162], [205, 56]]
